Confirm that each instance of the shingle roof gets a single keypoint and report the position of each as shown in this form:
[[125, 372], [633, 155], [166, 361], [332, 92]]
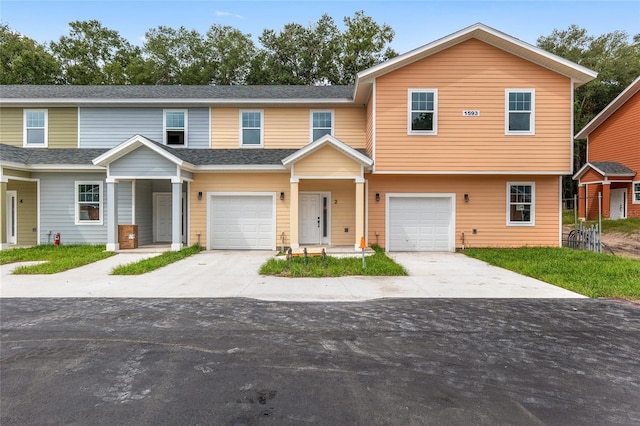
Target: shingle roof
[[31, 156], [141, 93], [612, 168]]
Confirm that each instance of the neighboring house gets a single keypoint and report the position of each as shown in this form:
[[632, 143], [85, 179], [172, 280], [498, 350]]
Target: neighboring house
[[462, 142], [613, 159]]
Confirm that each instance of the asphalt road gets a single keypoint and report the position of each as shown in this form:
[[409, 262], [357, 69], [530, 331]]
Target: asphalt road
[[383, 362]]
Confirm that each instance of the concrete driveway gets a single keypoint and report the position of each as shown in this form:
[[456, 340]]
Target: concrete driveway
[[235, 274]]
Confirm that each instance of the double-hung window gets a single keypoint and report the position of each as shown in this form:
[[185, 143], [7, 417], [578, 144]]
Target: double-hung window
[[321, 124], [89, 203], [423, 112], [636, 193], [175, 127], [519, 112], [35, 127], [521, 203], [251, 129]]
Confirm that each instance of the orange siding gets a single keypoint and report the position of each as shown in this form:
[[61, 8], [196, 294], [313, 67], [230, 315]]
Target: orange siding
[[343, 205], [591, 176], [369, 134], [473, 75], [327, 162], [287, 127], [485, 211]]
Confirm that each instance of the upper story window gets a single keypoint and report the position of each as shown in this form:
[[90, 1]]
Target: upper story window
[[521, 203], [175, 127], [89, 203], [636, 193], [423, 112], [520, 112], [321, 124], [251, 128], [35, 127]]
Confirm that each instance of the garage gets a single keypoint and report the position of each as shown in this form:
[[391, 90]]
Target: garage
[[242, 222], [421, 222]]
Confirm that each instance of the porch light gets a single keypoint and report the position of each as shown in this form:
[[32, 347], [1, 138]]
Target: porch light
[[282, 195], [199, 195], [377, 196], [466, 198]]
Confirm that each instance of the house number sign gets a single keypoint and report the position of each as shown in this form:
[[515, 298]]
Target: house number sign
[[471, 113]]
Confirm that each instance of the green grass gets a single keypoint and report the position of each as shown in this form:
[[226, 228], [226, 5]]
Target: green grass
[[377, 264], [156, 262], [625, 226], [587, 273], [56, 258], [568, 217]]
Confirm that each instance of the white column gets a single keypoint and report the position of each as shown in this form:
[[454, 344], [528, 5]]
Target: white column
[[359, 212], [176, 218], [112, 216]]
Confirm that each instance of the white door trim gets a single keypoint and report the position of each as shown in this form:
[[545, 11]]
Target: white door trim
[[12, 217], [623, 199], [322, 194]]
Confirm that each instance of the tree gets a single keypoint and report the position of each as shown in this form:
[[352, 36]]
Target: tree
[[23, 61], [229, 54], [93, 54]]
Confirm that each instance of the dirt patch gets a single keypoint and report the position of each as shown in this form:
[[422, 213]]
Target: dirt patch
[[623, 244]]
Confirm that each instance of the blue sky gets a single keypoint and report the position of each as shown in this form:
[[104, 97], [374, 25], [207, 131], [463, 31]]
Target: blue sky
[[415, 22]]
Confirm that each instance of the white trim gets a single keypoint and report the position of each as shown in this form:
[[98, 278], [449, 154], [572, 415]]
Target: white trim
[[38, 208], [358, 179], [13, 216], [333, 122], [571, 143], [560, 210], [210, 195], [532, 113], [132, 144], [374, 116], [532, 219], [133, 201], [79, 128], [185, 129], [101, 195], [634, 192], [327, 140], [452, 218], [192, 102], [412, 132], [321, 194], [467, 172], [241, 128], [240, 168], [26, 144], [366, 212]]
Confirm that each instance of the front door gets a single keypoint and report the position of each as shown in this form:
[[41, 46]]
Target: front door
[[618, 204], [310, 219], [162, 210], [12, 217]]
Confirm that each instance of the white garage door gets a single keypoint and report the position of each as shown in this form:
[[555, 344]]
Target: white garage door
[[420, 224], [242, 222]]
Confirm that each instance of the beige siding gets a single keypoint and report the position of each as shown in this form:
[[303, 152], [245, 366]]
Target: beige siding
[[11, 126], [16, 173], [473, 75], [369, 132], [27, 211], [62, 132], [287, 127], [343, 205], [327, 162], [485, 211], [240, 182]]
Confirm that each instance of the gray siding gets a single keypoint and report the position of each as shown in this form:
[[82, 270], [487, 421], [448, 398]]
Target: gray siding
[[108, 127], [186, 175], [144, 163], [124, 203], [58, 204], [144, 211]]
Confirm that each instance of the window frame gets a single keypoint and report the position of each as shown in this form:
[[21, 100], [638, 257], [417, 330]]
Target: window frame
[[25, 129], [312, 128], [410, 111], [242, 128], [166, 129], [635, 192], [532, 218], [78, 203], [532, 113]]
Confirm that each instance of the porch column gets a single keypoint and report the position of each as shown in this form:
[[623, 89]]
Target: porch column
[[176, 220], [293, 213], [582, 200], [606, 199], [112, 216], [4, 243], [359, 211]]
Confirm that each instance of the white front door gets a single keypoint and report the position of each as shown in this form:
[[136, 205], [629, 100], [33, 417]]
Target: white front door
[[162, 211], [310, 219], [12, 217], [618, 204]]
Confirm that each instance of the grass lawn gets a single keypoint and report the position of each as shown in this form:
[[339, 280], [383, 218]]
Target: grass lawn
[[587, 273], [156, 262], [56, 258], [620, 225], [378, 264]]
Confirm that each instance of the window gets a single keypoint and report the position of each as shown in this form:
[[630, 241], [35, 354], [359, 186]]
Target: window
[[423, 112], [521, 203], [89, 203], [35, 127], [251, 128], [321, 124], [636, 193], [175, 127], [520, 112]]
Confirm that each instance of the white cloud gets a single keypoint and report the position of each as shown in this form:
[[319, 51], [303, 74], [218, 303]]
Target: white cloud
[[223, 13]]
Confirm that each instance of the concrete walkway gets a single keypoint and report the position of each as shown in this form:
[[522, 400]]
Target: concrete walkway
[[234, 274]]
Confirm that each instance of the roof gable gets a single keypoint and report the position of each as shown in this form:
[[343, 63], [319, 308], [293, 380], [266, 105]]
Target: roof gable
[[605, 169], [131, 145], [328, 140]]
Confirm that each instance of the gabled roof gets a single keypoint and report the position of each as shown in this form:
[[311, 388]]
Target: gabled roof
[[134, 143], [606, 169], [577, 73], [613, 106], [328, 140]]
